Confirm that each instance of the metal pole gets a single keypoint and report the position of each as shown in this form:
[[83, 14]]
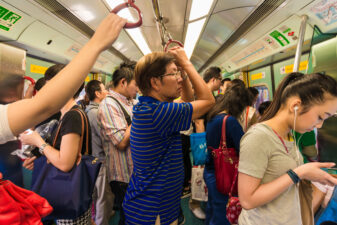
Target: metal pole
[[159, 21], [300, 43]]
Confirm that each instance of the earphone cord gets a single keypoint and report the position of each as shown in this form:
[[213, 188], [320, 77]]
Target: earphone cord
[[296, 143]]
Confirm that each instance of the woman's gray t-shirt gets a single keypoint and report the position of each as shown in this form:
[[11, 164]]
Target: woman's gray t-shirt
[[263, 156]]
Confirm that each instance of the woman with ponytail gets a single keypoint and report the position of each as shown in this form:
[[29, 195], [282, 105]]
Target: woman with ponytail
[[232, 103], [271, 167]]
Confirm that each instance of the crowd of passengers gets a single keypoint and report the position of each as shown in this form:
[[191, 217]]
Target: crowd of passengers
[[140, 126]]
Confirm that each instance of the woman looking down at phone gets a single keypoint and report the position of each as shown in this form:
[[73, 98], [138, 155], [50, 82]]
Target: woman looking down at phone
[[271, 166]]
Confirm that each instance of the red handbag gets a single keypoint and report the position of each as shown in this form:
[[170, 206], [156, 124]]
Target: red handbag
[[21, 207], [233, 208], [226, 164]]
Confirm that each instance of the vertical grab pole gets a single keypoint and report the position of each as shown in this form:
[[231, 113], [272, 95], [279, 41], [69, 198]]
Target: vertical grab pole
[[300, 43]]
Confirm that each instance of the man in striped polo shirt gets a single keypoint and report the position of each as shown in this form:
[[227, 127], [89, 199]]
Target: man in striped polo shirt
[[114, 116], [153, 194]]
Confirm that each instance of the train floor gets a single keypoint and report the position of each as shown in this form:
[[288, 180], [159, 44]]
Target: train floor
[[190, 219]]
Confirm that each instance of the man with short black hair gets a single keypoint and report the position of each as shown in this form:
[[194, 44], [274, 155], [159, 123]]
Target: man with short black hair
[[103, 197], [224, 84], [212, 77]]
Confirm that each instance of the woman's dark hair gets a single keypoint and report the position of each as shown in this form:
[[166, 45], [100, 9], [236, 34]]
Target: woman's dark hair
[[237, 82], [224, 80], [253, 92], [263, 106], [40, 83], [233, 101], [309, 88], [91, 88], [125, 70], [53, 70]]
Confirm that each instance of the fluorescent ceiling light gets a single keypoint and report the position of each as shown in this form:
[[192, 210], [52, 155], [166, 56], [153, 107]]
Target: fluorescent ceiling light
[[135, 33], [84, 13], [200, 8], [192, 35], [138, 37]]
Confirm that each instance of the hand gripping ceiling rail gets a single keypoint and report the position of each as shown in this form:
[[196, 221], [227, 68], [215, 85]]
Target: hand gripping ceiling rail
[[164, 34], [130, 4]]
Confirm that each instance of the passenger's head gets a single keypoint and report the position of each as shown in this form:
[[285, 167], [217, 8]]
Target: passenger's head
[[233, 102], [53, 70], [40, 83], [224, 84], [95, 91], [263, 106], [253, 95], [156, 73], [237, 82], [124, 80], [212, 78], [313, 98]]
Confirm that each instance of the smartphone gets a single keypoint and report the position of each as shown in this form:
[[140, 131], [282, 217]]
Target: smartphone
[[36, 152], [330, 170]]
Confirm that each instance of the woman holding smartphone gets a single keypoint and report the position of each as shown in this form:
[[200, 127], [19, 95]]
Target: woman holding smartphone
[[270, 164]]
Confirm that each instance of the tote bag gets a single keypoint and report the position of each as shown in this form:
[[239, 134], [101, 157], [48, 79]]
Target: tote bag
[[70, 193]]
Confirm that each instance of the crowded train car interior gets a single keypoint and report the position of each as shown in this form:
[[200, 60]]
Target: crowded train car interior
[[256, 41]]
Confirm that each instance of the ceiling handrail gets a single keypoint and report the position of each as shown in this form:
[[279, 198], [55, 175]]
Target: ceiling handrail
[[164, 34], [130, 4], [170, 41]]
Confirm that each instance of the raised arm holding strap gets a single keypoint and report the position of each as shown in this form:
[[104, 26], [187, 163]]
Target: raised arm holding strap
[[130, 4]]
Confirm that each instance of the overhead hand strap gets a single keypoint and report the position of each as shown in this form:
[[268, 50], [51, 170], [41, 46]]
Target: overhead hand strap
[[130, 4], [170, 41], [32, 81]]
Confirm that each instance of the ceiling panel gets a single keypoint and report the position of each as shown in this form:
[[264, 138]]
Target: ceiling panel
[[92, 13], [284, 12], [230, 4], [219, 27], [174, 18]]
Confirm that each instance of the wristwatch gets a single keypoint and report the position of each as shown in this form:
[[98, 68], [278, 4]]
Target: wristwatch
[[42, 147]]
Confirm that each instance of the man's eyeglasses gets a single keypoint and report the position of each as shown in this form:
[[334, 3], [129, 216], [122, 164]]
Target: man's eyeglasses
[[176, 74]]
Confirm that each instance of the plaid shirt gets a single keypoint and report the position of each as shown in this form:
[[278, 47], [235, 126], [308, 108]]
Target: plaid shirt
[[113, 125]]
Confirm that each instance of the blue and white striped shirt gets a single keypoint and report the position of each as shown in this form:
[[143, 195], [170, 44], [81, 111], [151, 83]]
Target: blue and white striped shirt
[[156, 182]]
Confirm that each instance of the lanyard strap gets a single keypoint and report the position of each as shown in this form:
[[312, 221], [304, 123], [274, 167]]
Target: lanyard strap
[[281, 140]]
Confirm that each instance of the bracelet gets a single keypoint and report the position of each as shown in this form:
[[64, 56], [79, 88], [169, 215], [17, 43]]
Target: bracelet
[[294, 177], [42, 147]]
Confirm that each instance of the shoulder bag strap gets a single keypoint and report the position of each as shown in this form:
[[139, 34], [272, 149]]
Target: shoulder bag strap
[[234, 180], [247, 112], [223, 133], [84, 126], [126, 114], [57, 133], [284, 145]]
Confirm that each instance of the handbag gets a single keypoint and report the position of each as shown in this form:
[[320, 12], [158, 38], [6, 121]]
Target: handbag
[[70, 193], [21, 207], [226, 164], [233, 208], [198, 186], [198, 148]]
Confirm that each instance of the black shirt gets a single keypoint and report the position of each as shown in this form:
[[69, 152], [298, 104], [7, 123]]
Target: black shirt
[[72, 123]]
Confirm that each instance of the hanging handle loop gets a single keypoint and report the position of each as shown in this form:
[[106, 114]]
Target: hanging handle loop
[[170, 41], [32, 81], [130, 4]]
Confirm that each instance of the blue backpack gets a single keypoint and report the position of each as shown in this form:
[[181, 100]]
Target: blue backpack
[[330, 212]]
